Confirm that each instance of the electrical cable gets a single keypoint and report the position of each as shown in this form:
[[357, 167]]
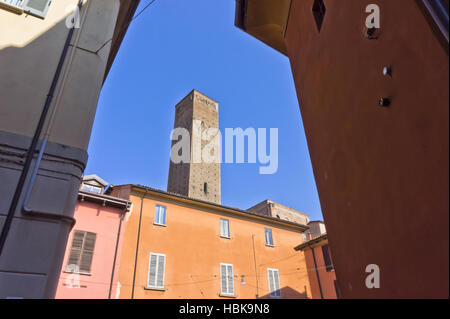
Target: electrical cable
[[132, 19], [145, 8]]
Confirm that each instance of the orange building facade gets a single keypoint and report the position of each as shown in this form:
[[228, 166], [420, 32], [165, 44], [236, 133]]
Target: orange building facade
[[179, 247]]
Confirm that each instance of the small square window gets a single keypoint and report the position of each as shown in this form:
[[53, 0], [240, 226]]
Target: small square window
[[92, 188], [87, 188], [96, 189]]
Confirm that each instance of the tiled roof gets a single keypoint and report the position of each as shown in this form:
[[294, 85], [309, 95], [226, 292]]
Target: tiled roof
[[273, 219], [311, 242], [104, 199]]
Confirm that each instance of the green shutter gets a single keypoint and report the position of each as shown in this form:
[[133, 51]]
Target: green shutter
[[75, 251]]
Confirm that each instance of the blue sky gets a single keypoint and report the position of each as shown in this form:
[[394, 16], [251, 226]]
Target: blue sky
[[176, 46]]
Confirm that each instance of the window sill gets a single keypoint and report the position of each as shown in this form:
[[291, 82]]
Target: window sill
[[272, 246], [155, 288], [156, 224], [227, 296], [226, 237], [78, 273], [11, 8]]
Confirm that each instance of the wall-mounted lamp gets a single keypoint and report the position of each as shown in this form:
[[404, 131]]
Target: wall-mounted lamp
[[385, 102], [387, 71], [372, 33], [242, 280]]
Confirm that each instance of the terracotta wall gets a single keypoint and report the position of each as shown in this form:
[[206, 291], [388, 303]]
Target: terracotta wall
[[381, 173], [194, 250], [104, 221], [327, 278]]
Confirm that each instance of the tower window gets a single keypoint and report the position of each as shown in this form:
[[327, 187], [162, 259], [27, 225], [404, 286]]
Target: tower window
[[205, 187], [319, 13]]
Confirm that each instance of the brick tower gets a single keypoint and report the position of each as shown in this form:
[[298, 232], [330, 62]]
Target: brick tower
[[197, 179]]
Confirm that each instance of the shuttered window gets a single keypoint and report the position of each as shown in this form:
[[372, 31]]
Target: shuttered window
[[81, 252], [157, 264], [224, 228], [37, 8], [269, 238], [160, 215], [226, 279], [17, 3], [327, 258], [274, 282]]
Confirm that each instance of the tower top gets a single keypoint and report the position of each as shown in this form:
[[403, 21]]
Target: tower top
[[199, 96]]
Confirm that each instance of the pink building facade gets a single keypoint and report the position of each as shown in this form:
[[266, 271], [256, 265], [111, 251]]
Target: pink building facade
[[92, 256]]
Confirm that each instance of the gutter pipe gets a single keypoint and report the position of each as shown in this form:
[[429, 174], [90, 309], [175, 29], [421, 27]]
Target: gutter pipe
[[317, 273], [115, 252], [137, 244]]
